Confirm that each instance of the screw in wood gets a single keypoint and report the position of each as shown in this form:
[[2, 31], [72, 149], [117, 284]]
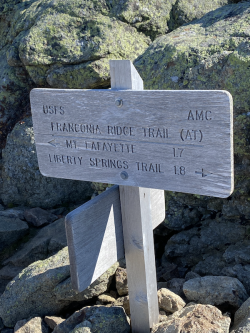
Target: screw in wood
[[119, 102], [124, 175]]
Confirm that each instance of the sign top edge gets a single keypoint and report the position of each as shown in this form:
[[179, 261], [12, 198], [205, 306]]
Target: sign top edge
[[34, 90]]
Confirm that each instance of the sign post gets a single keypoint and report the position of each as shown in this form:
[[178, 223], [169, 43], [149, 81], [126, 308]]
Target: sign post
[[141, 140], [137, 227]]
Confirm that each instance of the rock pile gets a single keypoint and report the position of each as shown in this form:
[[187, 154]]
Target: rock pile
[[203, 246]]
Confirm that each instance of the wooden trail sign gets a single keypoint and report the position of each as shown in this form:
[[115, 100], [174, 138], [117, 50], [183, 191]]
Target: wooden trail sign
[[173, 140], [95, 236]]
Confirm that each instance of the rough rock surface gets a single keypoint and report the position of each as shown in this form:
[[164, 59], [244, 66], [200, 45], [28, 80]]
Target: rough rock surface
[[9, 272], [104, 299], [168, 301], [242, 318], [34, 325], [14, 212], [39, 217], [26, 295], [46, 242], [195, 319], [11, 230], [53, 321], [98, 319], [63, 291], [215, 290], [124, 302], [209, 53], [23, 183], [121, 281], [212, 248]]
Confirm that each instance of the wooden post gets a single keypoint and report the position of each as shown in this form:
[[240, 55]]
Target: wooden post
[[137, 227]]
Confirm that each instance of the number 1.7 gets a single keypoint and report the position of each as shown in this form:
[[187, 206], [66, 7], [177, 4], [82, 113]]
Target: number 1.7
[[178, 152]]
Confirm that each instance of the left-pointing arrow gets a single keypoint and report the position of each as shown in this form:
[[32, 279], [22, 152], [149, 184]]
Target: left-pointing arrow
[[53, 143]]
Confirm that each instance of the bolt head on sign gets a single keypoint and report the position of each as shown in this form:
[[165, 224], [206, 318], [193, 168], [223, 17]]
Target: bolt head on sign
[[173, 140]]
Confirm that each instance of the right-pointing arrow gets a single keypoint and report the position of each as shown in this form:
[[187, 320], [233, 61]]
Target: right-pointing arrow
[[203, 173]]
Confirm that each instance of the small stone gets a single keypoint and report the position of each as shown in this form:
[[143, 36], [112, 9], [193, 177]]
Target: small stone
[[121, 281], [169, 270], [34, 325], [106, 299], [215, 290], [59, 211], [242, 318], [1, 207], [11, 230], [47, 241], [191, 275], [52, 322], [176, 286], [124, 302], [39, 217], [113, 319], [195, 319], [169, 301], [13, 212]]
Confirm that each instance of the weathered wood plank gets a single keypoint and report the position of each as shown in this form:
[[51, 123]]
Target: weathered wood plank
[[137, 230], [140, 258], [124, 75], [95, 237], [174, 140]]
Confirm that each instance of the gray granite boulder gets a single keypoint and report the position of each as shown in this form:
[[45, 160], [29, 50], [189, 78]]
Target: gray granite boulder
[[11, 230], [189, 247], [242, 319], [33, 325], [195, 318], [99, 319], [209, 53], [22, 182], [44, 288], [216, 290], [39, 217], [169, 301], [46, 242], [31, 291]]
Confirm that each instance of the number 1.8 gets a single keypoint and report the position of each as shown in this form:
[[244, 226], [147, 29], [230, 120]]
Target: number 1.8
[[179, 170]]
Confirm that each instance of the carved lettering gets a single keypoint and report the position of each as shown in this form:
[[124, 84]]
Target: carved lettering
[[199, 115], [121, 130], [108, 163], [64, 159], [71, 127], [179, 170], [110, 146], [178, 152], [53, 109], [149, 167], [71, 144], [155, 132], [191, 135]]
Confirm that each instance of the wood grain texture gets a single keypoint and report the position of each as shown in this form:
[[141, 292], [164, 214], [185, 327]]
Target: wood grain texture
[[124, 75], [136, 207], [174, 140], [95, 236], [140, 258]]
